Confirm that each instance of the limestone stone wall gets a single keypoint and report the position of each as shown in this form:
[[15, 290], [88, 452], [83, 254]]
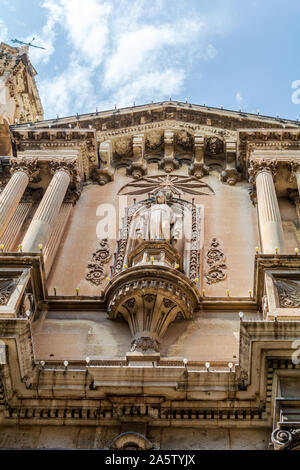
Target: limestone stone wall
[[71, 437]]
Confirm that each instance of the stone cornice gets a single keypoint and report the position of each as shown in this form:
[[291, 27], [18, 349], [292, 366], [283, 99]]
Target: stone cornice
[[186, 110]]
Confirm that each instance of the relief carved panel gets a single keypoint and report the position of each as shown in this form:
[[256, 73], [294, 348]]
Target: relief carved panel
[[215, 260], [96, 266]]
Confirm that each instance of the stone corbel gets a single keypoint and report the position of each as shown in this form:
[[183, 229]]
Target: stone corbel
[[230, 175], [198, 167], [105, 173], [168, 163], [138, 168]]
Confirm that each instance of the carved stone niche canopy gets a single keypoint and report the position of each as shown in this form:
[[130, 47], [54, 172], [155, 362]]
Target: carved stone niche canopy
[[149, 298], [283, 294]]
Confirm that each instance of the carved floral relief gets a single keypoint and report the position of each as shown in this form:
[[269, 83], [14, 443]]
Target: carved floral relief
[[215, 260], [96, 266]]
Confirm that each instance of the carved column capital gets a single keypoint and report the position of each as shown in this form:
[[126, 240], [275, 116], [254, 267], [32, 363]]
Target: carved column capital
[[27, 165], [68, 166], [259, 166]]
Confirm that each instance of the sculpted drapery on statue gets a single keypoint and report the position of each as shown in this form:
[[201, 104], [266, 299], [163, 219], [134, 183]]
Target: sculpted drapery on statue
[[157, 221]]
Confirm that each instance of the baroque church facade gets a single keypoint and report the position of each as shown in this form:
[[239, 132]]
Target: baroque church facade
[[149, 275]]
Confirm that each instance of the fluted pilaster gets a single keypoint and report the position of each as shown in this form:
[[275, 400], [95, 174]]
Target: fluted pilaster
[[268, 210], [47, 211]]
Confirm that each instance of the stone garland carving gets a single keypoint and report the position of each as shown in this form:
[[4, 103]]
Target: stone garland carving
[[123, 146], [28, 166], [214, 146], [215, 259], [154, 140], [288, 293], [96, 268], [6, 288], [184, 139]]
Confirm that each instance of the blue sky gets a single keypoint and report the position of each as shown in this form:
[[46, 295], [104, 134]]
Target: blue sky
[[231, 53]]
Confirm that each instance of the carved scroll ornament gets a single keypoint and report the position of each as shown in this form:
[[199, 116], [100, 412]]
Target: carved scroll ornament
[[215, 259], [96, 266]]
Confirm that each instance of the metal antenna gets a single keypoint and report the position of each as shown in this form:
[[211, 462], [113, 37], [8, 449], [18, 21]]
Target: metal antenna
[[27, 43]]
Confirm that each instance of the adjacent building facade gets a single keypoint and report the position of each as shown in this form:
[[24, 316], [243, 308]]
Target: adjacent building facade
[[149, 275]]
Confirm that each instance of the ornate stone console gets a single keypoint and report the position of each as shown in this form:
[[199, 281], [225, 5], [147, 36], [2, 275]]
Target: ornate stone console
[[149, 298]]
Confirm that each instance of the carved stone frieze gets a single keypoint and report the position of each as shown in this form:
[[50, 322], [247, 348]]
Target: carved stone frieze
[[96, 266], [28, 166], [215, 260]]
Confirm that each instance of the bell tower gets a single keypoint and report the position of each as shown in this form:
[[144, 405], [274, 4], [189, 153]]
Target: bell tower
[[19, 97]]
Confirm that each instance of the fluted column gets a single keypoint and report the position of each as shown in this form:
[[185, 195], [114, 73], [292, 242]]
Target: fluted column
[[268, 210], [22, 172], [39, 229]]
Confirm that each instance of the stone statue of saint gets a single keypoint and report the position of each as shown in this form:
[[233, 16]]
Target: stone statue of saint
[[156, 222]]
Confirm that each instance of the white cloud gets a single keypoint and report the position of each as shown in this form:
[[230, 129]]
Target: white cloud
[[239, 97], [68, 92], [87, 23], [3, 31], [150, 86], [120, 51], [47, 36]]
